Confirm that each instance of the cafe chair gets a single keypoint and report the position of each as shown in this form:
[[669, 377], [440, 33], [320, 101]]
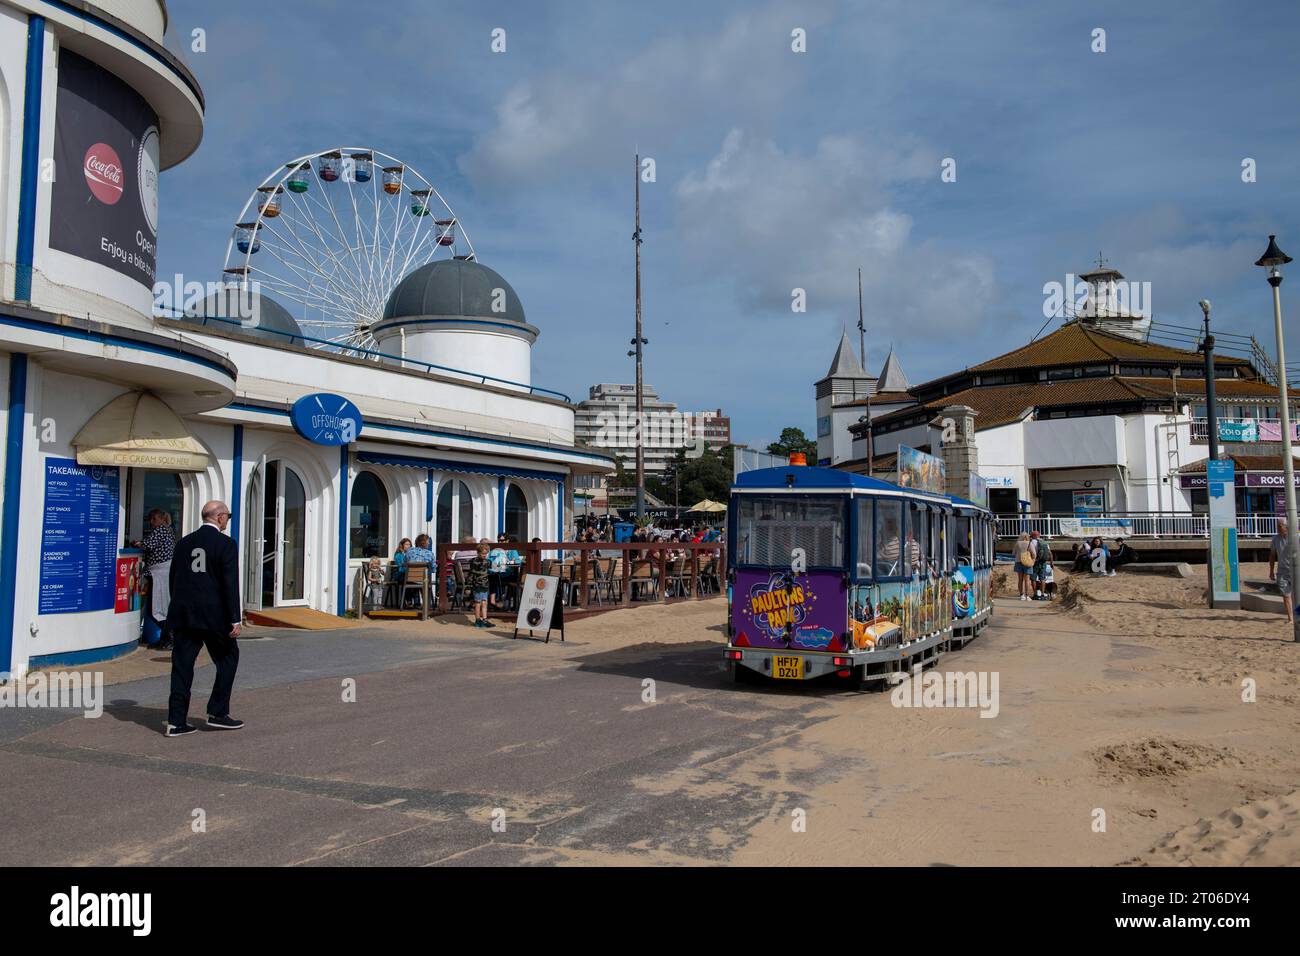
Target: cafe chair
[[417, 580]]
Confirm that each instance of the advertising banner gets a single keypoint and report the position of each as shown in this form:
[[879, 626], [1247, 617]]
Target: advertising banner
[[1272, 430], [1096, 527], [1244, 430], [979, 491], [79, 538], [127, 596], [538, 609], [785, 609], [1223, 533], [104, 199], [918, 470], [1089, 502]]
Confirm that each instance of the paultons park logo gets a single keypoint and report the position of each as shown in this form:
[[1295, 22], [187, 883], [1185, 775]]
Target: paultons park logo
[[104, 175]]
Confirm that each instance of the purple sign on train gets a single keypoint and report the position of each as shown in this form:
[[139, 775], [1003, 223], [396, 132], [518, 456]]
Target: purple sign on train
[[784, 610]]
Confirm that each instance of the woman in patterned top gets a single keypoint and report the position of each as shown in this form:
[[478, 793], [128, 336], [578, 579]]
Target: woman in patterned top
[[159, 544], [477, 579]]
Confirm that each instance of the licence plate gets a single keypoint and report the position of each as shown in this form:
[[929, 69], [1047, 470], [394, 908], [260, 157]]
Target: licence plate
[[787, 668]]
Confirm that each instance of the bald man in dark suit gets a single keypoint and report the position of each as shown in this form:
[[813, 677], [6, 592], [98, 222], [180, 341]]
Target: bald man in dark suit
[[205, 611]]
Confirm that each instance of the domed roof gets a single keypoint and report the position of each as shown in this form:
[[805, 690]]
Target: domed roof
[[269, 320], [454, 287]]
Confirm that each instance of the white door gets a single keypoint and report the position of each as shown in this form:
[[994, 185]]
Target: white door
[[277, 555], [254, 540]]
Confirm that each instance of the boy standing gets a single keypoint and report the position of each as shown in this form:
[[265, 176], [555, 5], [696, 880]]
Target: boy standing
[[477, 579]]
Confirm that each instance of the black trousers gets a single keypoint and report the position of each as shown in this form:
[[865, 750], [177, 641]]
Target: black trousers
[[224, 651]]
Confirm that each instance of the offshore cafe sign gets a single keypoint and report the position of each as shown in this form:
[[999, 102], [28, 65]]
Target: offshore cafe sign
[[326, 419]]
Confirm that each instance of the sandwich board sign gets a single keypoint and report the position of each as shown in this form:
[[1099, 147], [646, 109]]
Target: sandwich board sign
[[538, 607]]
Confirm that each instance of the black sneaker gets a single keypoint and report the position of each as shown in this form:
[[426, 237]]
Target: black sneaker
[[224, 723], [181, 731]]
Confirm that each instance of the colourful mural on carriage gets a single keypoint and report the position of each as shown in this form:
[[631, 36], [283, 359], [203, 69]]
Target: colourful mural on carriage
[[896, 612], [789, 610], [970, 592]]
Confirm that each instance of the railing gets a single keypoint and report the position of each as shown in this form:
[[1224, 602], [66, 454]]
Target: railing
[[325, 345], [1266, 429], [1130, 524]]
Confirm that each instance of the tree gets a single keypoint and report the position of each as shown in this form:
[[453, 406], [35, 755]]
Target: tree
[[793, 440]]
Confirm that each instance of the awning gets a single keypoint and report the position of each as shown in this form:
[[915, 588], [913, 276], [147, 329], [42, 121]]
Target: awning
[[139, 430], [464, 467]]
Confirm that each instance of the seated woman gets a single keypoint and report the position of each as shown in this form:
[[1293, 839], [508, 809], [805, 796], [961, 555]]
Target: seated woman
[[1081, 559], [1098, 550]]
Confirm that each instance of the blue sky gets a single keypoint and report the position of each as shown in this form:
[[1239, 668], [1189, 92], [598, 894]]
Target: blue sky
[[779, 170]]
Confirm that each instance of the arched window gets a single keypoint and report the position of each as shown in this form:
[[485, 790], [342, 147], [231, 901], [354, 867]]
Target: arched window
[[455, 512], [516, 523], [369, 517]]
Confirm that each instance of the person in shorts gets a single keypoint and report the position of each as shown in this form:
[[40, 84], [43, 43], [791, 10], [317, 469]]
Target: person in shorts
[[1279, 567], [1048, 580], [1042, 561], [477, 578]]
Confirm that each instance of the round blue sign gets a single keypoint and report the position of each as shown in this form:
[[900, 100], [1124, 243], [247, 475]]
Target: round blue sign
[[326, 419]]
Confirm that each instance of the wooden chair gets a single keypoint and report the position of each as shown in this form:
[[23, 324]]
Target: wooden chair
[[645, 573], [605, 579], [705, 583], [673, 577], [417, 580], [615, 578]]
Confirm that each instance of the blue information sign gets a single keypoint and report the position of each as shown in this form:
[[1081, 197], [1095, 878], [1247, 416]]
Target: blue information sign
[[79, 537], [326, 419]]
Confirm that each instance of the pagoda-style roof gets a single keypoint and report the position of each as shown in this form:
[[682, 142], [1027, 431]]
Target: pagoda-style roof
[[1076, 344]]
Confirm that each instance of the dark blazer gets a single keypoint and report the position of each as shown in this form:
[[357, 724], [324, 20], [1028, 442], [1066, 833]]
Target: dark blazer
[[206, 600]]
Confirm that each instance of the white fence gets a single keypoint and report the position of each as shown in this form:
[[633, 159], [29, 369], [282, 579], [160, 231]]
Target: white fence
[[1130, 525]]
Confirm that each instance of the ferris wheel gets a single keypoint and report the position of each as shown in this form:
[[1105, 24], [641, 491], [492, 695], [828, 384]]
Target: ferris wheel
[[329, 235]]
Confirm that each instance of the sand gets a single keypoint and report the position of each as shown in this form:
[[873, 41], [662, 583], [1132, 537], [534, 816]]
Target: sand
[[1125, 735]]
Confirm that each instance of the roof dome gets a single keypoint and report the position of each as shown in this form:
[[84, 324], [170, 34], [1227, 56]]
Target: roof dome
[[229, 308], [454, 287]]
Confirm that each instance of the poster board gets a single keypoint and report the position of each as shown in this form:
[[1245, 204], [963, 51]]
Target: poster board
[[78, 569], [918, 470], [538, 607], [1224, 585]]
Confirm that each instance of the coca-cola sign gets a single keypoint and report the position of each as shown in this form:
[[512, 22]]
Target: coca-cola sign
[[103, 173], [104, 198]]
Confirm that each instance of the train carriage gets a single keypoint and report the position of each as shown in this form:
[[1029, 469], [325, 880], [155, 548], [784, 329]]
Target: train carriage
[[836, 574], [971, 531]]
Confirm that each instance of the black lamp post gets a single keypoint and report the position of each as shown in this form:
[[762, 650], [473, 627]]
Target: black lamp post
[[1273, 260], [1211, 413]]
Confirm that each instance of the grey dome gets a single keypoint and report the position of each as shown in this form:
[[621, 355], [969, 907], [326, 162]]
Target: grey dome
[[222, 310], [453, 287]]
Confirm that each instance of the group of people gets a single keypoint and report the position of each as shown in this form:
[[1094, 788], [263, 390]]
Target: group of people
[[481, 561], [1035, 570], [1094, 556]]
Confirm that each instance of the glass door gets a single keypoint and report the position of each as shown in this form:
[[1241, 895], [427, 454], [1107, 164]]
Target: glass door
[[254, 540], [281, 552]]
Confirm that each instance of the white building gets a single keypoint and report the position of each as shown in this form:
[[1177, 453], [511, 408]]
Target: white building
[[109, 412], [606, 420], [1091, 417]]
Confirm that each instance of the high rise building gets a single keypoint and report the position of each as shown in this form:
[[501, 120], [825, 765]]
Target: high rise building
[[607, 420]]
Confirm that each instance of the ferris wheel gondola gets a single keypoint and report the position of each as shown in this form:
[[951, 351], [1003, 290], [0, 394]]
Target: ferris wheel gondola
[[330, 240]]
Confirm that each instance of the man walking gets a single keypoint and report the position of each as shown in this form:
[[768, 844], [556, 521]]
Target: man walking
[[1279, 567], [205, 612]]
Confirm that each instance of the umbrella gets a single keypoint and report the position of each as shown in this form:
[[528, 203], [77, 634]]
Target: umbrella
[[708, 505]]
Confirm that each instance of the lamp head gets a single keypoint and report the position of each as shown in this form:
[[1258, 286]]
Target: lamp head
[[1205, 306], [1273, 258]]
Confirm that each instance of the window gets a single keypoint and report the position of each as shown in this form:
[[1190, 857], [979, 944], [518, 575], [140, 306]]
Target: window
[[368, 521], [516, 517], [889, 530], [866, 536], [769, 529], [918, 537], [962, 539], [454, 502], [936, 540]]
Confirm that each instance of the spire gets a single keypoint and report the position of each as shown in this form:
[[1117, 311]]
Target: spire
[[846, 364], [892, 378]]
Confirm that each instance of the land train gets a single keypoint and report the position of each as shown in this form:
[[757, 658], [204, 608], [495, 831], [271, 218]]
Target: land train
[[833, 573]]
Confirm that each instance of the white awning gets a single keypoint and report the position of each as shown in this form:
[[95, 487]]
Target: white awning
[[139, 430]]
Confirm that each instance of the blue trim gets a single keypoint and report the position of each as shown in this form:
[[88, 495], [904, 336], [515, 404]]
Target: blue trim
[[29, 176], [135, 41], [342, 597], [501, 505], [463, 467], [13, 486], [240, 407], [90, 656], [462, 321], [237, 484], [105, 338], [428, 498]]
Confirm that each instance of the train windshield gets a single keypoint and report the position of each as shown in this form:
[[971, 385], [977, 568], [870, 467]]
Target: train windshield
[[769, 529]]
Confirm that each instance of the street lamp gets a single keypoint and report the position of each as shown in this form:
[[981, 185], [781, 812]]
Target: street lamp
[[1273, 260], [1211, 414]]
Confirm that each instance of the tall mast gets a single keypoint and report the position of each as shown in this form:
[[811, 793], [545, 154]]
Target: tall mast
[[638, 342]]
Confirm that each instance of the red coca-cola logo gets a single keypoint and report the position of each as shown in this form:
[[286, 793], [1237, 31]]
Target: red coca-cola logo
[[104, 173]]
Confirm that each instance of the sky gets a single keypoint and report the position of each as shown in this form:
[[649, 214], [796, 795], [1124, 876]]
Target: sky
[[777, 169]]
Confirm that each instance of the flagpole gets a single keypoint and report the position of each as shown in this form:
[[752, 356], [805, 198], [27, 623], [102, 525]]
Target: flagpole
[[862, 347]]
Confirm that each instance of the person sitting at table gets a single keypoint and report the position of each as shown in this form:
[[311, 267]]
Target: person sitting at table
[[512, 552], [468, 549], [399, 559]]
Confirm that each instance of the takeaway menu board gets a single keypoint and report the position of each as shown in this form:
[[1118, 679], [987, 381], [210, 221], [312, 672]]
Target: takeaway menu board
[[79, 537]]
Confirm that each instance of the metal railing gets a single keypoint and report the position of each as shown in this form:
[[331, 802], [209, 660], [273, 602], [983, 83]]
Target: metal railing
[[325, 345], [1267, 429], [1129, 524]]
